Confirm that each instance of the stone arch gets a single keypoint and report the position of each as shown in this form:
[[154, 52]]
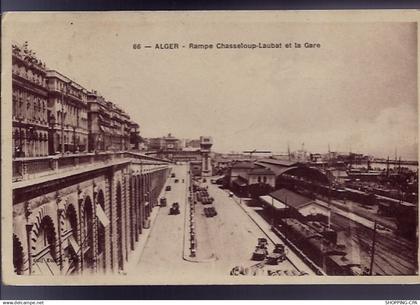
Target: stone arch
[[87, 240], [18, 255], [44, 242], [37, 220], [71, 220], [101, 233], [119, 231]]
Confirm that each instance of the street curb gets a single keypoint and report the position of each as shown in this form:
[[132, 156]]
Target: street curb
[[186, 248]]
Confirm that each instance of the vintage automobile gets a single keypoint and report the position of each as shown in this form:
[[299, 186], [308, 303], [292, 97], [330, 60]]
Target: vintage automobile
[[173, 175], [163, 202], [262, 242], [279, 248], [261, 251], [174, 210], [176, 180], [259, 254], [275, 258], [168, 188], [230, 194], [210, 211]]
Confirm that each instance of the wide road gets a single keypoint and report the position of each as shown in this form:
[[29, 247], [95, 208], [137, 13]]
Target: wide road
[[232, 233], [162, 257]]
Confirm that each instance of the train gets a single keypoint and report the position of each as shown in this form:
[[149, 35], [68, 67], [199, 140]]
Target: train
[[319, 244]]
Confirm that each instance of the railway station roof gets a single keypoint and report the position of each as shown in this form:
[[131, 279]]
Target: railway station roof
[[295, 169], [285, 163], [290, 198], [268, 200], [261, 171], [244, 164]]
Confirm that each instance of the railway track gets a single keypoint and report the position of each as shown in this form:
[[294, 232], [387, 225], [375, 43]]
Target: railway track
[[393, 255]]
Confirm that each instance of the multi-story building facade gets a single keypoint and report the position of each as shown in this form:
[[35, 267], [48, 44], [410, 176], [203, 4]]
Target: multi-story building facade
[[166, 143], [195, 143], [68, 114], [155, 144], [99, 125], [53, 114], [135, 138], [120, 127], [172, 143], [29, 106], [110, 128]]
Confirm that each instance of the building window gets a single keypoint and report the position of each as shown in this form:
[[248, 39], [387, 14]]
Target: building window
[[265, 179]]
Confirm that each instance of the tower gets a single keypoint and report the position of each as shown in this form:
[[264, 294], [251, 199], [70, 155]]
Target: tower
[[205, 147]]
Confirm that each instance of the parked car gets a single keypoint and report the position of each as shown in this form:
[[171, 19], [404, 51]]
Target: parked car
[[279, 248], [259, 254], [262, 242], [210, 211], [173, 175], [163, 202], [176, 181], [277, 256], [230, 194], [168, 188], [174, 210]]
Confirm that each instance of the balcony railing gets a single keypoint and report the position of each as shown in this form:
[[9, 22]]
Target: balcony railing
[[37, 167]]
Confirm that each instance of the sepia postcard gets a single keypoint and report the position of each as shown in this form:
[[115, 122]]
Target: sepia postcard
[[222, 147]]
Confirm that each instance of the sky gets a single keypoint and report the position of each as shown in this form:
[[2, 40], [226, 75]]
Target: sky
[[357, 92]]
